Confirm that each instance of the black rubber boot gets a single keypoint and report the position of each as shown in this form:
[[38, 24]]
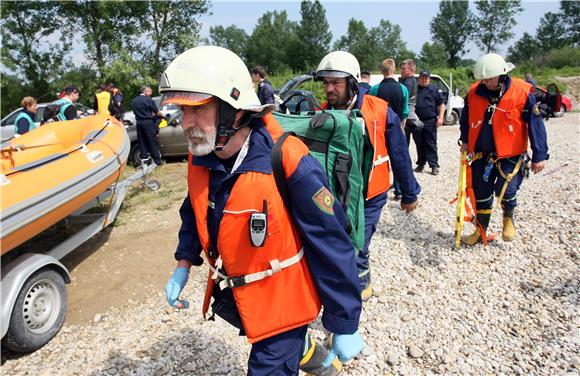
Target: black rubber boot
[[314, 356]]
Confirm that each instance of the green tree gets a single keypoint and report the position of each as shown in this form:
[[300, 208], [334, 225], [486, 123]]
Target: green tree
[[30, 47], [232, 37], [453, 26], [495, 21], [268, 44], [433, 56], [372, 46], [551, 32], [166, 29], [571, 20], [103, 26], [523, 50], [313, 36]]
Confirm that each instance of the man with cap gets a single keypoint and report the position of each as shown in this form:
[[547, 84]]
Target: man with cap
[[499, 116], [271, 266], [339, 72], [430, 108], [67, 108]]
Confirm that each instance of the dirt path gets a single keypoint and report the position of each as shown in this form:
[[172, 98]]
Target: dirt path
[[125, 264]]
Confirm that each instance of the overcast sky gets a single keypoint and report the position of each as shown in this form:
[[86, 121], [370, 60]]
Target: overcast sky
[[412, 16]]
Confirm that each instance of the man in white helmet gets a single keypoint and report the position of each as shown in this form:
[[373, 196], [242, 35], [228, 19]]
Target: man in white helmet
[[271, 266], [500, 115], [339, 72]]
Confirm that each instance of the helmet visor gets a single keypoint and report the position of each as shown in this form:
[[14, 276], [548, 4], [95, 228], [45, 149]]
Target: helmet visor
[[185, 98], [331, 73]]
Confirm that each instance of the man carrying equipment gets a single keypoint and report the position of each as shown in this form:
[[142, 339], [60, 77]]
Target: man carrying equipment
[[271, 266], [500, 115], [339, 72]]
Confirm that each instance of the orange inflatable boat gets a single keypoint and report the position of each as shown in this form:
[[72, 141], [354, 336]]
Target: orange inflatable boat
[[52, 171]]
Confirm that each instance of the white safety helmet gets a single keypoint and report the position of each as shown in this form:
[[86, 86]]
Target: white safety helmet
[[200, 73], [339, 64], [491, 65]]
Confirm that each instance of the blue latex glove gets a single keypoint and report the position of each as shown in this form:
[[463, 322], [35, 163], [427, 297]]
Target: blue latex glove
[[174, 286], [345, 346]]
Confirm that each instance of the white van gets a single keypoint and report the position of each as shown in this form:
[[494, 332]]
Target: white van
[[453, 105]]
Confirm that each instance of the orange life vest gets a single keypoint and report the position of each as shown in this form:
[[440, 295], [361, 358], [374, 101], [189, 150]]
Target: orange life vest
[[286, 300], [510, 133], [374, 111]]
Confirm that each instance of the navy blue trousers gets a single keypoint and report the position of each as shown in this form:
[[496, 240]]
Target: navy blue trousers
[[373, 208], [278, 355], [426, 142], [484, 190], [147, 136]]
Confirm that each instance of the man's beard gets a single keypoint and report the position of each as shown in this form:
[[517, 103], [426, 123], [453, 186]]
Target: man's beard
[[204, 147]]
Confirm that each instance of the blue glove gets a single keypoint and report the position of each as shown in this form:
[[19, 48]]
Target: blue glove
[[346, 346], [174, 286]]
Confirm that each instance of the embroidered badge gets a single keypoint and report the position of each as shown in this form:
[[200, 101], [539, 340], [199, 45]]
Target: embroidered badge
[[324, 200]]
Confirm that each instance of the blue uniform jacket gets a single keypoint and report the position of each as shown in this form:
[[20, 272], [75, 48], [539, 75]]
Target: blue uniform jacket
[[398, 155], [144, 108], [327, 247], [265, 92], [536, 128], [395, 93], [427, 103]]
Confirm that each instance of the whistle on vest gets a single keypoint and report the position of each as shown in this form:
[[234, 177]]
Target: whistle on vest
[[259, 226]]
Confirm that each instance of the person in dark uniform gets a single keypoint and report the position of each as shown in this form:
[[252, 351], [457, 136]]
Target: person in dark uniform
[[430, 108], [265, 90], [145, 111], [365, 79]]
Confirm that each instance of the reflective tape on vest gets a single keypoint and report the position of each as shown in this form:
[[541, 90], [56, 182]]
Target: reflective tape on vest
[[277, 266], [380, 160]]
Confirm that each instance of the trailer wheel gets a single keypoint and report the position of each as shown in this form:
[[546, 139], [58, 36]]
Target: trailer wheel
[[452, 119], [38, 313]]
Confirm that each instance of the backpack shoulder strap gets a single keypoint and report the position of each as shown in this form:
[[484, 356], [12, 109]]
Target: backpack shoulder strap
[[278, 169]]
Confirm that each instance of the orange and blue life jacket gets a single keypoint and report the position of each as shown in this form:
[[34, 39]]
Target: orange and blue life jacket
[[215, 218], [505, 128]]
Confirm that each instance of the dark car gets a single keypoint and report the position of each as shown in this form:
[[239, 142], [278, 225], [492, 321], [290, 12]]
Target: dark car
[[291, 100]]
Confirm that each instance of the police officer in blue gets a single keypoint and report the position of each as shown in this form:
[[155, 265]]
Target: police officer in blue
[[145, 111], [265, 90], [430, 108], [25, 120]]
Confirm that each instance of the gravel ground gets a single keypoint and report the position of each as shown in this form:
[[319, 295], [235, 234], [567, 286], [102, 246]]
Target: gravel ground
[[510, 308]]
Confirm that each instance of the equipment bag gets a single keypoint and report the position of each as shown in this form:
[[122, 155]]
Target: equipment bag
[[337, 140]]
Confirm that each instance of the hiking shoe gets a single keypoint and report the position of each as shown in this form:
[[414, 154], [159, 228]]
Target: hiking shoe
[[509, 231], [313, 358], [419, 168], [434, 170]]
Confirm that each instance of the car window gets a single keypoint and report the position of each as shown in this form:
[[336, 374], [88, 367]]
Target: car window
[[9, 120], [440, 85], [39, 114]]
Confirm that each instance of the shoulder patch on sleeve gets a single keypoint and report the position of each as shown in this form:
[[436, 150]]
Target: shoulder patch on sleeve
[[324, 200]]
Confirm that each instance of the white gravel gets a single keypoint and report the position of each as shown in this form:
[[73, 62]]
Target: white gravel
[[510, 308]]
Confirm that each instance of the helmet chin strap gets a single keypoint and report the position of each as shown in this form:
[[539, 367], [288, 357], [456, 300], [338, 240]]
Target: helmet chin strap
[[226, 116]]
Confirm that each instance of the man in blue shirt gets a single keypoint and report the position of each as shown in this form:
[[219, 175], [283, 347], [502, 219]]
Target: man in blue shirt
[[145, 110], [265, 90]]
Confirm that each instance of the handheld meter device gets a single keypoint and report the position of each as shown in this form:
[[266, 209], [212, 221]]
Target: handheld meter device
[[259, 227]]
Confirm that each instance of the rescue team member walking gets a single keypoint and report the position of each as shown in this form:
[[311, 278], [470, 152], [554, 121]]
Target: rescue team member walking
[[339, 72], [500, 114], [271, 266], [430, 109], [145, 110], [24, 122]]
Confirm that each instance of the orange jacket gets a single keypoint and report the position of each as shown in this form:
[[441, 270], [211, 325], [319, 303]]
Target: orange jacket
[[510, 133], [286, 300], [374, 111]]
